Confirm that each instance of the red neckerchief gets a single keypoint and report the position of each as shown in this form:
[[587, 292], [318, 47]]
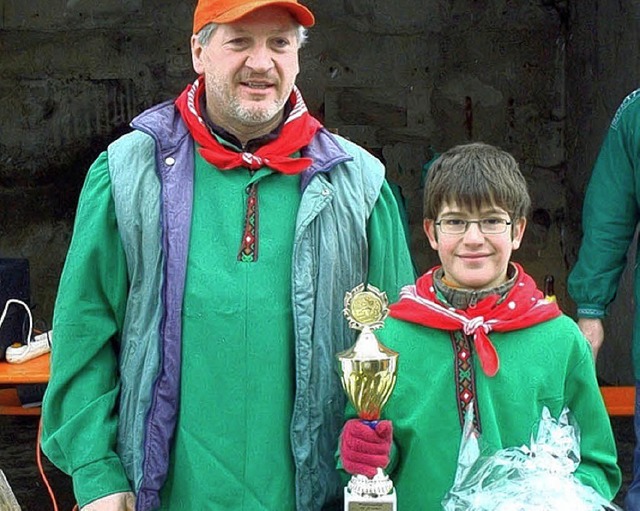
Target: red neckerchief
[[297, 132], [523, 306]]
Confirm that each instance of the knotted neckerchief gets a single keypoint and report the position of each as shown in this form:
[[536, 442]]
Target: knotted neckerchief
[[297, 132], [523, 306]]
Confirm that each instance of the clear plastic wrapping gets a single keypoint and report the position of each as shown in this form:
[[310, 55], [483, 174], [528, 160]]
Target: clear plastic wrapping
[[538, 477]]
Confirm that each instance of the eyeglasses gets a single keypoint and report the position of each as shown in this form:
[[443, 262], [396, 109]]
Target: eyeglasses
[[491, 225]]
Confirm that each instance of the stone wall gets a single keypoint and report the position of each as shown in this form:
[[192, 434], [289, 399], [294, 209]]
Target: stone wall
[[72, 75], [410, 79], [407, 79]]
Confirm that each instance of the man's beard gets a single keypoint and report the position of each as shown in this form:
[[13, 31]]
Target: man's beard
[[254, 116], [231, 107]]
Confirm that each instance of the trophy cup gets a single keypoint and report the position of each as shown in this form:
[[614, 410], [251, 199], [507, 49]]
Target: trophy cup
[[368, 374]]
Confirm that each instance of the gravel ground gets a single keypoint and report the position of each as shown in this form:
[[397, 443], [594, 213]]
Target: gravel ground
[[18, 461]]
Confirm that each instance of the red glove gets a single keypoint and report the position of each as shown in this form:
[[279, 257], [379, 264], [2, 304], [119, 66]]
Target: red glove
[[363, 449]]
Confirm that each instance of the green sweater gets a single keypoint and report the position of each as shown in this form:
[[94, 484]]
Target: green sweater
[[237, 383], [609, 219], [547, 364]]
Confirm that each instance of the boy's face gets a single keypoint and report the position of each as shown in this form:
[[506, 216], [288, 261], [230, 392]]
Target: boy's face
[[474, 260]]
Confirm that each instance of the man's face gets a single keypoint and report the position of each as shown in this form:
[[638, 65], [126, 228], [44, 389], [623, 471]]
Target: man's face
[[473, 260], [250, 67]]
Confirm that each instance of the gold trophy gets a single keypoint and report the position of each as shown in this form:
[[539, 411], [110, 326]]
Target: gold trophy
[[368, 374]]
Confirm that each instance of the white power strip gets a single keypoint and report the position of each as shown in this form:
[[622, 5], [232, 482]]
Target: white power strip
[[38, 345]]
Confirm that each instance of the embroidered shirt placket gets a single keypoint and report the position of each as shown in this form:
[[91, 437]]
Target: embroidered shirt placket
[[465, 377], [249, 245]]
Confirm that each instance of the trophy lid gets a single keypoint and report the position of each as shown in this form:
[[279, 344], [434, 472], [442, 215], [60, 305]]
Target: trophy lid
[[366, 310], [367, 347]]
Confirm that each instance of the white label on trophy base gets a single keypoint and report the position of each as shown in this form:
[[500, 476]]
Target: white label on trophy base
[[356, 503], [370, 506]]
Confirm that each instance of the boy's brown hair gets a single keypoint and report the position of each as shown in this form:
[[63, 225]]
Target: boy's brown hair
[[473, 176]]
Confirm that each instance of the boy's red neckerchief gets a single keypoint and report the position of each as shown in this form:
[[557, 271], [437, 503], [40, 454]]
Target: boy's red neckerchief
[[523, 306]]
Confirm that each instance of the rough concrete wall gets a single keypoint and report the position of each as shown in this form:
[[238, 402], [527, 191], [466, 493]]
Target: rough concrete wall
[[603, 67], [72, 74], [407, 79]]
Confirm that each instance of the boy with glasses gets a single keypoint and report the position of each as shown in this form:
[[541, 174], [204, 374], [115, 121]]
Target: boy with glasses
[[476, 332]]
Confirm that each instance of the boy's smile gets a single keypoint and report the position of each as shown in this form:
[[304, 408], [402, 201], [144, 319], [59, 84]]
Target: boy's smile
[[471, 258]]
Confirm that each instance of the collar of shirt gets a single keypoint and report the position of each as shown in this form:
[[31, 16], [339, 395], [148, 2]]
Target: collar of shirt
[[463, 298], [252, 145]]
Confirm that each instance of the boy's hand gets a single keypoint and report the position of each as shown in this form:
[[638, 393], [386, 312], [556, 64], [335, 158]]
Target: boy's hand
[[364, 449]]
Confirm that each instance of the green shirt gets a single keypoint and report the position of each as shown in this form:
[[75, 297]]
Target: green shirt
[[237, 365], [547, 364]]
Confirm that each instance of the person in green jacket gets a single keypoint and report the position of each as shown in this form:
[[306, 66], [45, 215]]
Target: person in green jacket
[[200, 306], [476, 332], [610, 216]]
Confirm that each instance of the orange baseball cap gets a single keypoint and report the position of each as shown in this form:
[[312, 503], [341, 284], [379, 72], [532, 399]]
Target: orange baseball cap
[[228, 11]]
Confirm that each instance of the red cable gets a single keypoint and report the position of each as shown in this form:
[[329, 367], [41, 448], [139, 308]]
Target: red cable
[[41, 468]]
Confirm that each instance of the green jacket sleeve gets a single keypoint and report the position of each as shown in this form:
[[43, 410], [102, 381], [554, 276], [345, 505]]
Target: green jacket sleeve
[[610, 214], [598, 466], [390, 265], [80, 406]]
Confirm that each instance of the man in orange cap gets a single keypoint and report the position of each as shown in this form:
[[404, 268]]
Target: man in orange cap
[[200, 307]]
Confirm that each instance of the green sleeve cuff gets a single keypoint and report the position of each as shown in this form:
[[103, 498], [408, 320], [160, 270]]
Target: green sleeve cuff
[[99, 479], [588, 310]]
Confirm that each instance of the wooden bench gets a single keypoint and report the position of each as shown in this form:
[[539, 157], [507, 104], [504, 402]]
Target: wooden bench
[[619, 400], [31, 372]]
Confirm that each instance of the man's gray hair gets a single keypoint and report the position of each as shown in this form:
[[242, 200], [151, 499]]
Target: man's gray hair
[[207, 31]]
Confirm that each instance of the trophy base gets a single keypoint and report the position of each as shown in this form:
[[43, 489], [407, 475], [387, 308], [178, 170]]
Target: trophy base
[[365, 503]]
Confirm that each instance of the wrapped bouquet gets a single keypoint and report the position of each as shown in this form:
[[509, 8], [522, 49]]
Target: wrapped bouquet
[[538, 477]]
